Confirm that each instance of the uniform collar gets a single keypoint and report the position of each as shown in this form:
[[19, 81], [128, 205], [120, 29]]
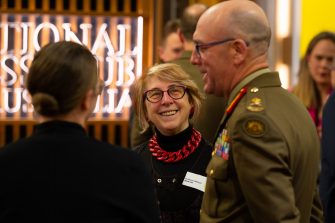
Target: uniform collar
[[246, 81]]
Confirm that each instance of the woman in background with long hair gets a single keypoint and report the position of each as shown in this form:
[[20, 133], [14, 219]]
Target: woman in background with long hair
[[314, 83]]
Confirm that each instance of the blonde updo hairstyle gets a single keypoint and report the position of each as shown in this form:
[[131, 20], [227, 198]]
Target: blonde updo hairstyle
[[167, 72], [60, 75]]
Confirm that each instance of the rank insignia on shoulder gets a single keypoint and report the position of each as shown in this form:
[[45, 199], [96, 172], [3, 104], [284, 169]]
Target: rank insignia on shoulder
[[222, 145], [255, 105], [254, 89], [254, 128]]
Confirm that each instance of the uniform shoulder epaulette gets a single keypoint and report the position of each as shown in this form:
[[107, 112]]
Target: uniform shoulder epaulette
[[255, 100], [255, 126]]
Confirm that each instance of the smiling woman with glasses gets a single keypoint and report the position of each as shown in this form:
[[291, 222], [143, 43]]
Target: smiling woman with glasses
[[166, 99]]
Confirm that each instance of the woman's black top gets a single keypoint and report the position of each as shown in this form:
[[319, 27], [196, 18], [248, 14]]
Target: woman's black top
[[177, 203]]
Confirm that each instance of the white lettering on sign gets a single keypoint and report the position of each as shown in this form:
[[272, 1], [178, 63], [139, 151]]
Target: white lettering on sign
[[117, 45]]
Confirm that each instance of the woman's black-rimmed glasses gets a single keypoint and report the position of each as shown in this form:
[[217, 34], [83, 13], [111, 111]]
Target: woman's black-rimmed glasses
[[175, 92]]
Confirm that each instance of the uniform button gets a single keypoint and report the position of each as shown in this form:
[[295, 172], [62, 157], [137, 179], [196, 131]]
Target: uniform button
[[173, 180], [159, 181], [254, 90], [211, 172]]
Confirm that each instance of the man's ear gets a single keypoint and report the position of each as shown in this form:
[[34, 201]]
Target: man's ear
[[161, 53], [240, 50], [181, 35]]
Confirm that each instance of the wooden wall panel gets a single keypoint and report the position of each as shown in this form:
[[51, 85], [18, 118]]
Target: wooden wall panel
[[112, 129]]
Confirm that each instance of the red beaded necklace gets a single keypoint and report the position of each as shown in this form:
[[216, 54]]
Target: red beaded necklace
[[171, 157]]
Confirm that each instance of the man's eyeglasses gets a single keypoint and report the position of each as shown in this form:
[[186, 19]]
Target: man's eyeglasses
[[199, 46], [175, 92]]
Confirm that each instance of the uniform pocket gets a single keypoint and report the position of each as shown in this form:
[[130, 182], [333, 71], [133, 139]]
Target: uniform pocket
[[217, 169], [217, 174]]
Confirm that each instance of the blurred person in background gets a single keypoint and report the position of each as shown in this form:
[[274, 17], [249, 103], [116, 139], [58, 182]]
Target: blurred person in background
[[171, 46], [166, 99], [60, 174], [213, 107], [314, 84]]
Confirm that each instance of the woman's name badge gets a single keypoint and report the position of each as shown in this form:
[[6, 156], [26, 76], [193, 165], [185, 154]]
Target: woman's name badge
[[195, 181]]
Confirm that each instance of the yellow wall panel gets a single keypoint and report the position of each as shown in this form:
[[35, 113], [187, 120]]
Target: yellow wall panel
[[316, 16]]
